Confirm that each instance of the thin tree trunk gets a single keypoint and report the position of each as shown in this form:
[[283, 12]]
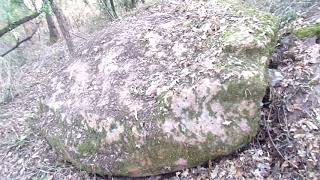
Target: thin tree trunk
[[53, 31], [113, 9], [133, 4], [63, 24], [126, 5], [15, 24], [105, 3]]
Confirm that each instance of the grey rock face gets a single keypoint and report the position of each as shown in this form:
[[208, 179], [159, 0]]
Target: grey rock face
[[170, 88]]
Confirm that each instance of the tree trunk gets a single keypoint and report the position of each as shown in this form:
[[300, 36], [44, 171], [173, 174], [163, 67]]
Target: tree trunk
[[63, 25], [126, 5], [133, 4], [15, 24], [106, 9], [113, 9], [53, 31]]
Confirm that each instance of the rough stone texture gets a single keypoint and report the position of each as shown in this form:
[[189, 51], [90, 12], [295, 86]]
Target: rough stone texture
[[171, 87]]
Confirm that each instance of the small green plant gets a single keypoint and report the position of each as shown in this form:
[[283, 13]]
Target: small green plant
[[288, 17], [309, 31]]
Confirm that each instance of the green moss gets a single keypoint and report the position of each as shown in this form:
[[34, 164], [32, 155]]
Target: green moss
[[163, 106], [131, 145], [54, 142], [92, 141], [192, 114], [254, 126], [208, 107], [263, 31], [210, 137], [87, 147], [246, 9], [271, 46], [310, 31], [227, 34], [90, 168], [237, 90], [159, 156]]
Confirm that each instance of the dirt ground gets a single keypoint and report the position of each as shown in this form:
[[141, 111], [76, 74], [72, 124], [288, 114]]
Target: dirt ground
[[287, 146]]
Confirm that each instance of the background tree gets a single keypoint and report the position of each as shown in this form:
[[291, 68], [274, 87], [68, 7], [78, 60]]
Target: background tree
[[113, 9], [133, 4], [105, 7], [63, 25], [53, 31], [130, 4], [13, 14]]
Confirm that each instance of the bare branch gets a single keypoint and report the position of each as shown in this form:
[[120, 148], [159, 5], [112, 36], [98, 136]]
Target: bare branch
[[15, 24], [20, 42]]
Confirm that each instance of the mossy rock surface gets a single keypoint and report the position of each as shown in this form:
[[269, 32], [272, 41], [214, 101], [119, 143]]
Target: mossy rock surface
[[172, 87]]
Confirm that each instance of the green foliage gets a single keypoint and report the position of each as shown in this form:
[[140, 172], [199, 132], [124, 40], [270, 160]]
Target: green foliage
[[286, 10], [120, 6], [108, 8], [46, 8], [306, 32], [288, 17], [88, 147], [12, 10]]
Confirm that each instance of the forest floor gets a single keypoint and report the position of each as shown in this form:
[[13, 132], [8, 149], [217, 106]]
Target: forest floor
[[286, 147]]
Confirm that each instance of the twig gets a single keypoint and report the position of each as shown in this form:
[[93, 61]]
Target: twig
[[78, 36], [286, 121], [274, 145]]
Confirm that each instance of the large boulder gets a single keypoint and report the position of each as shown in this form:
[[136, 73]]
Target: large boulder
[[172, 87]]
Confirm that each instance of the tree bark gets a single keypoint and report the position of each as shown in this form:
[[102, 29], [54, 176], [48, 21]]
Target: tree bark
[[126, 5], [133, 4], [105, 3], [63, 25], [15, 24], [113, 9], [53, 31]]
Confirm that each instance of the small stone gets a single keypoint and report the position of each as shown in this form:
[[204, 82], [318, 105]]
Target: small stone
[[276, 76], [96, 49], [84, 52]]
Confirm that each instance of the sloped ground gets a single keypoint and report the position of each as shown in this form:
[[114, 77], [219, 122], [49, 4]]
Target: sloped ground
[[287, 146]]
